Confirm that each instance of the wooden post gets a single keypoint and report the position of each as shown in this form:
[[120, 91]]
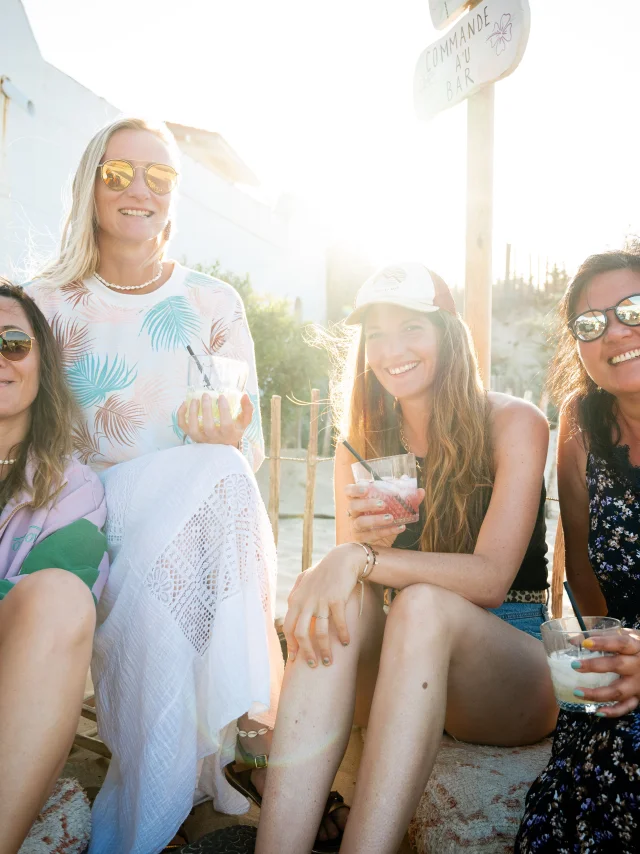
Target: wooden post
[[479, 274], [557, 576], [309, 502], [274, 464]]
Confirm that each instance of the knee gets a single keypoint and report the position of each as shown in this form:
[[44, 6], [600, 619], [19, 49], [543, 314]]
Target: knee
[[423, 611], [55, 603]]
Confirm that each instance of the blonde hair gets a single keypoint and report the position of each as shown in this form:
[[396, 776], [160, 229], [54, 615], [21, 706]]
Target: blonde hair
[[458, 467], [79, 257]]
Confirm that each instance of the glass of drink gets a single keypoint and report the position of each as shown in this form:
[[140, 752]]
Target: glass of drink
[[216, 375], [562, 640], [397, 487]]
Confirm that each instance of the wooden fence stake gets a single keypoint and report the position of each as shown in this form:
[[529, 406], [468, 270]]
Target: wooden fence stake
[[557, 577], [312, 459], [274, 464]]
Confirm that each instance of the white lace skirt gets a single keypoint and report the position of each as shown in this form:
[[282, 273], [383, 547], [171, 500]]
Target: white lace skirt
[[185, 643]]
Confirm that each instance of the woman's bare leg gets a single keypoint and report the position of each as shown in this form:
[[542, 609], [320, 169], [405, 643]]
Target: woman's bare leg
[[46, 631], [314, 721], [443, 659]]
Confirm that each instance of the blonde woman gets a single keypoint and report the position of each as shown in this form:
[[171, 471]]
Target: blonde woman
[[459, 649], [185, 652]]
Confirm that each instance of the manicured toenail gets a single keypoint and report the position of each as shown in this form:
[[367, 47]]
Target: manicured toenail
[[578, 693], [311, 663], [326, 661]]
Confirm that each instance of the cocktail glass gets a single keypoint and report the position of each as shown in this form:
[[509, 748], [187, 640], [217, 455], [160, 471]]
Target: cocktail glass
[[216, 375], [562, 640], [397, 488]]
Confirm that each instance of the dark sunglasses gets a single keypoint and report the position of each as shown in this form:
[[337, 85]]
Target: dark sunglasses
[[119, 174], [592, 324], [15, 344]]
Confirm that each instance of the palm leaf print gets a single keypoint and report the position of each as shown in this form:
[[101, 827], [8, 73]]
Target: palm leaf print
[[92, 379], [171, 323], [154, 396], [253, 433], [86, 444], [217, 336], [73, 338], [76, 292], [120, 420]]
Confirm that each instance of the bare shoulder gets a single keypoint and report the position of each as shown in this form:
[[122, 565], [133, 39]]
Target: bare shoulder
[[510, 414]]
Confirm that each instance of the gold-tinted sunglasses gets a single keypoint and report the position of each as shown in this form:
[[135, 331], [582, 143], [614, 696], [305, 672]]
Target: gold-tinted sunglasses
[[15, 344], [119, 174]]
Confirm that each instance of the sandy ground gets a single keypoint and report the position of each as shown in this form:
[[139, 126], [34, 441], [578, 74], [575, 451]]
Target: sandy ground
[[90, 769]]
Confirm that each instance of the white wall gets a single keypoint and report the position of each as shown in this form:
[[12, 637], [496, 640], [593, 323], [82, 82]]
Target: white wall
[[215, 221]]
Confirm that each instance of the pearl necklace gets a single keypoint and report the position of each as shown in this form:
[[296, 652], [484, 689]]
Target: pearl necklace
[[128, 287], [6, 462]]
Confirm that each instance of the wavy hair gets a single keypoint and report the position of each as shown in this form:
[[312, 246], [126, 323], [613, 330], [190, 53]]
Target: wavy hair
[[589, 409], [458, 467], [48, 443], [79, 257]]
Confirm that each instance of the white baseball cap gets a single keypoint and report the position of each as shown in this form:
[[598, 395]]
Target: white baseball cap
[[410, 285]]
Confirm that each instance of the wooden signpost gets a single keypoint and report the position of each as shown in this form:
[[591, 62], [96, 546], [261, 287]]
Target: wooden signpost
[[483, 46]]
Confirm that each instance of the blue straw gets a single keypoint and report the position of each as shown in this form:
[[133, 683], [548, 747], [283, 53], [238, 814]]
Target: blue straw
[[574, 605]]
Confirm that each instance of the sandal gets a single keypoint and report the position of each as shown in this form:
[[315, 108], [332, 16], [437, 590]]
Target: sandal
[[241, 782], [239, 839]]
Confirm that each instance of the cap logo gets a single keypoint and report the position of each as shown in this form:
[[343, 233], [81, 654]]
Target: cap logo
[[389, 279]]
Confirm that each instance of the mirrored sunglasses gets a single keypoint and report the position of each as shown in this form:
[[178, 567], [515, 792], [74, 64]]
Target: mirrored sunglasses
[[15, 344], [119, 174], [592, 324]]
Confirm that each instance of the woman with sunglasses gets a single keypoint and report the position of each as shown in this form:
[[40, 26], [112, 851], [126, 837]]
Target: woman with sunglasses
[[52, 559], [588, 797], [186, 654], [460, 646]]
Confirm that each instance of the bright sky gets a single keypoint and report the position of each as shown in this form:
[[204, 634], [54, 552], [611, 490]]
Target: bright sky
[[317, 99]]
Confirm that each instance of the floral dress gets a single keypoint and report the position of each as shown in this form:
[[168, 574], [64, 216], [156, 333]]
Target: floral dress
[[587, 800]]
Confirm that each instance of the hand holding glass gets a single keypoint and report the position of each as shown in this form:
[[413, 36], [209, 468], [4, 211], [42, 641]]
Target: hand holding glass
[[397, 488], [219, 376]]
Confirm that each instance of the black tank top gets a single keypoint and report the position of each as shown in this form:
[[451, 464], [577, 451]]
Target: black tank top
[[532, 574]]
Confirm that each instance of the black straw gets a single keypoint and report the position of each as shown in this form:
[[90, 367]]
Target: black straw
[[574, 605], [376, 476], [207, 382]]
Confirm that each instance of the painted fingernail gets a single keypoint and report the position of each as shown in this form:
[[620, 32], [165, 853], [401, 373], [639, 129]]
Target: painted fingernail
[[601, 715], [379, 503], [400, 528], [291, 656], [589, 643], [578, 693], [326, 662], [387, 516], [362, 489], [311, 663], [576, 665], [345, 643]]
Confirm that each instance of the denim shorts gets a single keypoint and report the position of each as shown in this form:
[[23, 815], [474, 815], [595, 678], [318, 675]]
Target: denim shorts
[[526, 616]]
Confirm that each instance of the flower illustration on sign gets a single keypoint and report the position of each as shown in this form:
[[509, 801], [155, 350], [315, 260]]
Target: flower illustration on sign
[[501, 34]]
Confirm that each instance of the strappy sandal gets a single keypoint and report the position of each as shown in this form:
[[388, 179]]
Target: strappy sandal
[[239, 839], [241, 782]]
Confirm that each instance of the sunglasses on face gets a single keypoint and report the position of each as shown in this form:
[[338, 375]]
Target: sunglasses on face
[[15, 344], [592, 324], [119, 174]]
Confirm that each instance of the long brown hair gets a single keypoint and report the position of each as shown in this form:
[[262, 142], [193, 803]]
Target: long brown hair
[[48, 443], [458, 467], [589, 409]]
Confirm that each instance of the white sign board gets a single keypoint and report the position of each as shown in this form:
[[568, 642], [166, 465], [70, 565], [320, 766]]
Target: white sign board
[[443, 12], [483, 46]]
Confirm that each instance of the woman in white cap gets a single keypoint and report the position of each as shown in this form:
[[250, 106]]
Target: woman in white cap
[[459, 648]]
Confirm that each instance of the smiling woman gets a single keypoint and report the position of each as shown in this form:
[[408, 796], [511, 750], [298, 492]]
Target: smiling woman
[[193, 559], [52, 558]]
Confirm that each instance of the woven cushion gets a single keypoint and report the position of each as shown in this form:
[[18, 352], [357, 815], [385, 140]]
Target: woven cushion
[[474, 800], [64, 825]]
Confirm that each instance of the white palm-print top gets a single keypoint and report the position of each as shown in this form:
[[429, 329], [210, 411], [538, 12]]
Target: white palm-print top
[[126, 359]]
